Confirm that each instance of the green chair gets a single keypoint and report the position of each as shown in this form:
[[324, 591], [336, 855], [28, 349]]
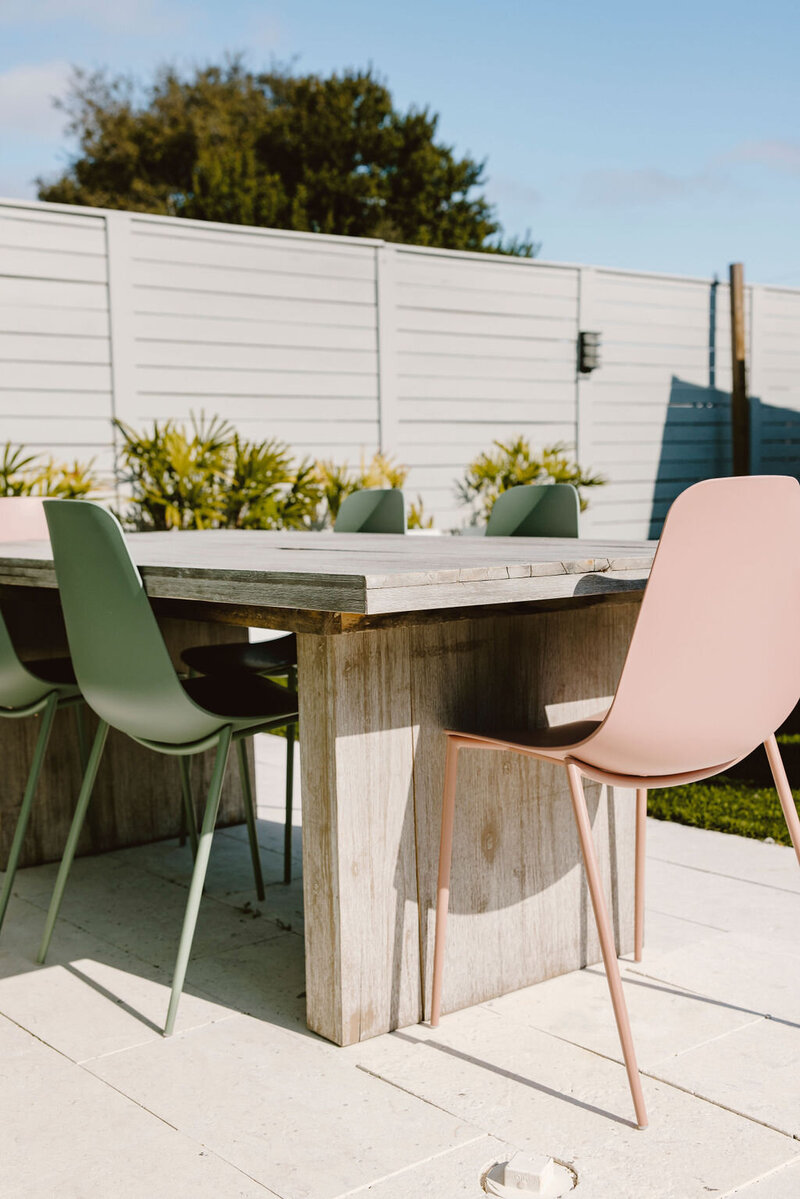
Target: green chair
[[125, 674], [536, 510], [378, 510], [37, 688], [373, 510]]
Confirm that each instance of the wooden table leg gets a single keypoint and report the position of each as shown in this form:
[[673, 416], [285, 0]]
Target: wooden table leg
[[137, 796], [372, 708]]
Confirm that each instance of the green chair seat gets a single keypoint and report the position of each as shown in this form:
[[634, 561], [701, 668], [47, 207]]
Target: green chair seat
[[242, 699], [273, 657], [53, 670]]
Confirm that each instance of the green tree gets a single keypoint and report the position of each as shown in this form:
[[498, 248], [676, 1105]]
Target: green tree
[[329, 155]]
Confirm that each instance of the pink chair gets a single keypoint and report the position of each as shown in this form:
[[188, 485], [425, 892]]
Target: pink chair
[[712, 670]]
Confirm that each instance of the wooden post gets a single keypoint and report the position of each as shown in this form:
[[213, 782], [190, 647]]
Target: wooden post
[[740, 417]]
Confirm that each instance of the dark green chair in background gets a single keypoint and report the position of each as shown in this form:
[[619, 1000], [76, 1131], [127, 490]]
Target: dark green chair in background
[[125, 673], [378, 510], [37, 688], [536, 510]]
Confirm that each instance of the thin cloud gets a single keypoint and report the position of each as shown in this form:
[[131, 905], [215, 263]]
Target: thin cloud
[[773, 153], [26, 99], [504, 189], [98, 14], [643, 186]]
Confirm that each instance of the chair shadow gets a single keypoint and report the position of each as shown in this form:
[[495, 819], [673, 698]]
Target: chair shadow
[[517, 1078]]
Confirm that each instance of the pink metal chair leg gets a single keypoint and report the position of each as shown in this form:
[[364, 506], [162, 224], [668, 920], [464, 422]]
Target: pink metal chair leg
[[641, 831], [443, 889], [606, 941], [784, 791]]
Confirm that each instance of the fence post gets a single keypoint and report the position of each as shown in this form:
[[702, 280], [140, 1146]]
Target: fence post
[[587, 318], [755, 378], [740, 423], [120, 319], [386, 317]]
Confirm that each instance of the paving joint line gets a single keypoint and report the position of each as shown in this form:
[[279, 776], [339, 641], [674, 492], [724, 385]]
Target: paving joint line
[[751, 882], [740, 1189], [367, 1186], [168, 1124], [790, 1136]]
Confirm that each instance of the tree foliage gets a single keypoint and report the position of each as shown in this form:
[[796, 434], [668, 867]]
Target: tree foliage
[[328, 155]]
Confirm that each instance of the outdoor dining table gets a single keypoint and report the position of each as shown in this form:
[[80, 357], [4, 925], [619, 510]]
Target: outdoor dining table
[[399, 637]]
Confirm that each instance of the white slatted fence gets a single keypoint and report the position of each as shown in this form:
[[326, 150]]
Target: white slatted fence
[[341, 346]]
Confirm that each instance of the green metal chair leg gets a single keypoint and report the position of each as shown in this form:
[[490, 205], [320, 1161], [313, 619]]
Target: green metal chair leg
[[250, 816], [287, 829], [198, 877], [27, 802], [85, 795], [189, 819], [83, 747], [291, 680]]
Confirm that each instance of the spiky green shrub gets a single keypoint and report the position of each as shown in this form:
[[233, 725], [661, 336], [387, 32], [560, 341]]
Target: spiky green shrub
[[24, 474], [206, 476], [513, 463], [339, 481], [416, 515]]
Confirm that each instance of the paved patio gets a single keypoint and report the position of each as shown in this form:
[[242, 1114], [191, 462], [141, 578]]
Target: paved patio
[[244, 1101]]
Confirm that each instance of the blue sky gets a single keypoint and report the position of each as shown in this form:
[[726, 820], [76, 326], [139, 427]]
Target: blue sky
[[660, 137]]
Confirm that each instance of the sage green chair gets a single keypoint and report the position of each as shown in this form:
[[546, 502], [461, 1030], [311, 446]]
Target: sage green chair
[[536, 510], [125, 674], [378, 510], [38, 688], [373, 510]]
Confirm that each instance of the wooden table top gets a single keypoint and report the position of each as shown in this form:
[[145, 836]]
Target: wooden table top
[[362, 573]]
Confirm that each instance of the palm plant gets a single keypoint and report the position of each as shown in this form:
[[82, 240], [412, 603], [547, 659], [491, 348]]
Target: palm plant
[[516, 463]]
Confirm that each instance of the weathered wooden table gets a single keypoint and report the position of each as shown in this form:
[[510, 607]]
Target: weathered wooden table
[[399, 637]]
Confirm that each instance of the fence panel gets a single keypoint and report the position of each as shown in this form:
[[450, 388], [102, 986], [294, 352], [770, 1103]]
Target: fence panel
[[55, 351], [485, 350]]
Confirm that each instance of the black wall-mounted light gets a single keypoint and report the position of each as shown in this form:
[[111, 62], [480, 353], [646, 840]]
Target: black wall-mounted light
[[588, 352]]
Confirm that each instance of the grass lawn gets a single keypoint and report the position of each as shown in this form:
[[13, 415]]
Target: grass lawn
[[729, 805]]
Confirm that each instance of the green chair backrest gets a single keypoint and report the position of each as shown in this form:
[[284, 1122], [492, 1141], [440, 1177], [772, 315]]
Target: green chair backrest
[[374, 510], [536, 510], [21, 519], [120, 659]]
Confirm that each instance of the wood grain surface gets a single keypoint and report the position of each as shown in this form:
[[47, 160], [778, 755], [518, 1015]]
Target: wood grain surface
[[368, 574]]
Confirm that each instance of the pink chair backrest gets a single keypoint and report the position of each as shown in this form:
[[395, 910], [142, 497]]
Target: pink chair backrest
[[713, 667], [22, 519]]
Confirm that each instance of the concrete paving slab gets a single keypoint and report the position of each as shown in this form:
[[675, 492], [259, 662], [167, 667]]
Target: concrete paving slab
[[304, 1122], [755, 1071], [89, 1007], [743, 858], [666, 1020], [541, 1094], [265, 980], [142, 913], [736, 905], [66, 1133], [229, 868], [783, 1183], [752, 975], [663, 933], [455, 1174]]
